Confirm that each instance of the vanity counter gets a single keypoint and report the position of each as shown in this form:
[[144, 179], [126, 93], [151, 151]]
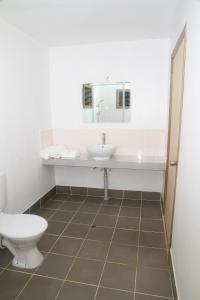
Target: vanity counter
[[133, 162]]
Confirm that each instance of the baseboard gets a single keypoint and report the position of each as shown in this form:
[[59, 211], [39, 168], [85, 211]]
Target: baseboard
[[42, 200], [174, 279]]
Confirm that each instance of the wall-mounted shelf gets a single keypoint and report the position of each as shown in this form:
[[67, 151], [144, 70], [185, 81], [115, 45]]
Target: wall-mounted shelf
[[134, 162]]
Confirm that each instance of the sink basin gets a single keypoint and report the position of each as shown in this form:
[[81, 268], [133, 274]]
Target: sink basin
[[101, 152]]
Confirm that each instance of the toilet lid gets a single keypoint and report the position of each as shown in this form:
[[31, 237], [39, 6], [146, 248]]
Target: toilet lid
[[21, 225]]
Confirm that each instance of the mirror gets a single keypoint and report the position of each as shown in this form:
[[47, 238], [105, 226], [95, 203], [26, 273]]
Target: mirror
[[106, 102]]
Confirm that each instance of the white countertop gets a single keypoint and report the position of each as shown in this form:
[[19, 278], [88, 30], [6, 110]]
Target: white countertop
[[134, 162]]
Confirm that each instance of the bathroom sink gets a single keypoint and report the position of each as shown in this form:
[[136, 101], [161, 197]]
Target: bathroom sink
[[101, 151]]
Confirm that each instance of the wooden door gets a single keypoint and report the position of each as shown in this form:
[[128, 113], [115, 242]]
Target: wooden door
[[176, 99]]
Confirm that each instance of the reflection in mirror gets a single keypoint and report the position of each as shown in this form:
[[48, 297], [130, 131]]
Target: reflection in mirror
[[106, 102]]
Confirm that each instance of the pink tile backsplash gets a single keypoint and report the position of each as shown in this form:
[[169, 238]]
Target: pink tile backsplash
[[127, 141]]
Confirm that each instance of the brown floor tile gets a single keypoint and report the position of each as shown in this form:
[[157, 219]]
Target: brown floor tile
[[52, 204], [147, 297], [94, 200], [109, 210], [60, 197], [44, 212], [123, 236], [76, 291], [23, 270], [123, 254], [76, 230], [83, 218], [86, 271], [5, 257], [64, 216], [94, 250], [11, 283], [34, 207], [113, 202], [95, 192], [118, 276], [150, 196], [105, 220], [152, 225], [110, 294], [132, 195], [131, 203], [151, 203], [133, 212], [155, 258], [89, 207], [115, 193], [154, 281], [55, 227], [128, 223], [151, 239], [151, 213], [55, 266], [70, 206], [67, 246], [60, 189], [76, 198], [41, 288], [78, 190], [100, 234], [46, 242]]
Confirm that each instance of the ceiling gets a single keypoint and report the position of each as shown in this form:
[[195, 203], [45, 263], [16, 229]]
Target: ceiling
[[67, 22]]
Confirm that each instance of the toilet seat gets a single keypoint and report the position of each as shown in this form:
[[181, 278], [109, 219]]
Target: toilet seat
[[21, 226]]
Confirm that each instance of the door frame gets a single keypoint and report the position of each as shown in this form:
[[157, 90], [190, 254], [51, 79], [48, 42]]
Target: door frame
[[182, 37]]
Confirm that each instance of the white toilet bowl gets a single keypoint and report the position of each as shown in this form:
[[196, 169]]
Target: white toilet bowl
[[20, 234]]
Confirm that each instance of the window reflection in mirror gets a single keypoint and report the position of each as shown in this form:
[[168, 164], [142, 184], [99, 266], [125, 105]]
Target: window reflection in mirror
[[106, 102]]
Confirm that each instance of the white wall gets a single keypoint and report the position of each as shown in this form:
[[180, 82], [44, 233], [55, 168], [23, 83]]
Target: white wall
[[186, 229], [144, 63], [137, 180], [24, 110]]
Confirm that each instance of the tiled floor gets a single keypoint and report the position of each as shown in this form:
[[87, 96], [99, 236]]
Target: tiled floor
[[95, 250]]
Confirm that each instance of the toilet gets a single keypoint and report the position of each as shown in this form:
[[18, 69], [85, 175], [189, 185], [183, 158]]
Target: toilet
[[20, 233]]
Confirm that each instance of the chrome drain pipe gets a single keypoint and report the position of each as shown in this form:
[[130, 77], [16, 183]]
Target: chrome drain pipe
[[105, 174]]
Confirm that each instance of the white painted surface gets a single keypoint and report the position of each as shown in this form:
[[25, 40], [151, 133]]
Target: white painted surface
[[144, 63], [118, 179], [186, 230], [24, 110], [61, 22]]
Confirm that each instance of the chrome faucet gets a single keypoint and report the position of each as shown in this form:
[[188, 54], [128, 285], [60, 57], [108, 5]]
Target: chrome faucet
[[103, 138]]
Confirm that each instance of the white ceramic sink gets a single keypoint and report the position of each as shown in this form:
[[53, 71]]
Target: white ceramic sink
[[101, 152]]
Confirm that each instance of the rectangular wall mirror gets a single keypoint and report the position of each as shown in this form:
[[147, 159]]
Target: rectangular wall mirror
[[106, 102]]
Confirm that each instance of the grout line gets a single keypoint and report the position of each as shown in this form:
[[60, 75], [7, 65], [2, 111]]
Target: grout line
[[137, 260], [156, 296], [47, 254], [165, 234], [79, 250], [106, 259], [79, 282], [82, 244]]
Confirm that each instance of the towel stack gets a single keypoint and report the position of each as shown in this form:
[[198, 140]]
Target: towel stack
[[59, 151]]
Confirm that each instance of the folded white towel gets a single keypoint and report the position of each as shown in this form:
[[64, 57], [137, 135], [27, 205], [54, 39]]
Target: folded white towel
[[69, 154], [58, 151]]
